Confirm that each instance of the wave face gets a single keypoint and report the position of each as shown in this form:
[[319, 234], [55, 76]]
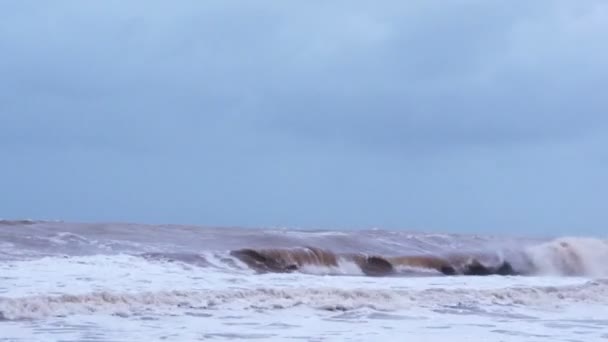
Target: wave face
[[372, 252]]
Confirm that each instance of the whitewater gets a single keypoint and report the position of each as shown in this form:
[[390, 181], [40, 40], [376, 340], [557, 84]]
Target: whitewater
[[63, 281]]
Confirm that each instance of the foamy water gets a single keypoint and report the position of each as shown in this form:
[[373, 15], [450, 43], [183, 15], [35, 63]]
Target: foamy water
[[116, 282]]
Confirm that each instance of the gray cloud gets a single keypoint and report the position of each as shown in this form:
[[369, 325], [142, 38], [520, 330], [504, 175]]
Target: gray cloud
[[327, 113]]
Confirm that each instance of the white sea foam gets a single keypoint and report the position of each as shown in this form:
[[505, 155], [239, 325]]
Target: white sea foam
[[571, 256], [592, 292], [344, 267], [123, 284], [74, 282]]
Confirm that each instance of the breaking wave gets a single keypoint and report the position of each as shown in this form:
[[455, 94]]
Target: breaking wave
[[372, 252], [573, 256], [564, 256]]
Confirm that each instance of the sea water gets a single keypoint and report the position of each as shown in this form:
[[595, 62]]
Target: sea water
[[125, 282]]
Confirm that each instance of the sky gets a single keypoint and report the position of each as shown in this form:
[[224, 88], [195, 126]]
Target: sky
[[451, 116]]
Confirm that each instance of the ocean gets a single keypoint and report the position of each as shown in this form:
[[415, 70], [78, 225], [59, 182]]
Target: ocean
[[128, 282]]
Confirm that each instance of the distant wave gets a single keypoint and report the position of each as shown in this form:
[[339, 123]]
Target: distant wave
[[18, 222]]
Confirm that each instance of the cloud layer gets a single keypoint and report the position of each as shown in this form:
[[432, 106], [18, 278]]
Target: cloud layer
[[457, 116]]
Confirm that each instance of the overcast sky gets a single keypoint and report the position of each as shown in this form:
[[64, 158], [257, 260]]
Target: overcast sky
[[455, 116]]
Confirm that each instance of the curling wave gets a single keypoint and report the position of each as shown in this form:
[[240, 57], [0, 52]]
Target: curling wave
[[294, 259], [565, 256]]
